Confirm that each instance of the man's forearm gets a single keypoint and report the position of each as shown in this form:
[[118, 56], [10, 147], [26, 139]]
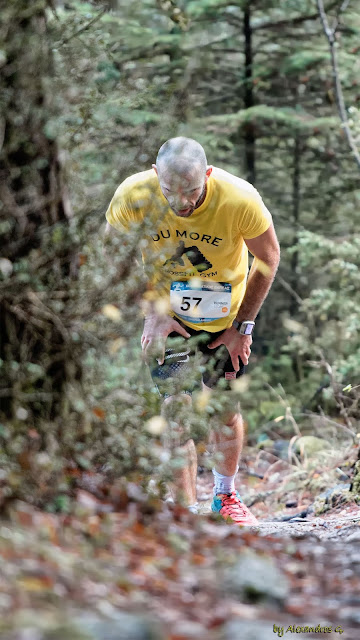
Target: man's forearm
[[260, 279]]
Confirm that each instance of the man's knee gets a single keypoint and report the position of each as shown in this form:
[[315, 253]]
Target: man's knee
[[234, 420]]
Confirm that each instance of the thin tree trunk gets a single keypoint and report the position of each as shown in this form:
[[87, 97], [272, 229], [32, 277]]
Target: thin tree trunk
[[249, 97], [331, 36], [296, 195]]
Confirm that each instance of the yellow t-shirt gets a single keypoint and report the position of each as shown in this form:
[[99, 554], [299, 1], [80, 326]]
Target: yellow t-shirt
[[201, 262]]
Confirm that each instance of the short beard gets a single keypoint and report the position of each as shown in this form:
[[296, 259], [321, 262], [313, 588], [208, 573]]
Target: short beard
[[197, 204]]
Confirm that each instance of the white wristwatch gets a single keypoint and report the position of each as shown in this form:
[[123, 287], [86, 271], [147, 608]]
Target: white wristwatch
[[245, 328]]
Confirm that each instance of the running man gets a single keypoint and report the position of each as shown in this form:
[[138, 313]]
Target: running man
[[203, 220]]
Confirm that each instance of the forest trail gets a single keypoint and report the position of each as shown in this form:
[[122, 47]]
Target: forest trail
[[127, 568], [342, 523], [338, 525]]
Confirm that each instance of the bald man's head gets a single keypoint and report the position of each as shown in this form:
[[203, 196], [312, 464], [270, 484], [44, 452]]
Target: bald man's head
[[182, 170], [181, 156]]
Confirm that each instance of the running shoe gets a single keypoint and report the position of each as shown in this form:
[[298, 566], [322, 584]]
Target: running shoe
[[232, 508]]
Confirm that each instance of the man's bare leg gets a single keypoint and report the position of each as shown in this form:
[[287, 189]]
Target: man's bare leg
[[183, 486], [228, 440]]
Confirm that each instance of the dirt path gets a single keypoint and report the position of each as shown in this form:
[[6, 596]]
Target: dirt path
[[339, 526], [134, 569], [342, 524]]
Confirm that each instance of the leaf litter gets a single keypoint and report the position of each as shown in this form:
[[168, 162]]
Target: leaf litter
[[120, 562]]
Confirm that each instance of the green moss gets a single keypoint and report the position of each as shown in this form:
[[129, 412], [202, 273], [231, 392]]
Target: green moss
[[356, 481]]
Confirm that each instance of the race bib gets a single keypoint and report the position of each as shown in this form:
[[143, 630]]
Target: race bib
[[202, 302]]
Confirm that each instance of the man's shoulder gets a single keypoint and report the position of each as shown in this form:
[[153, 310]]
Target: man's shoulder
[[240, 187], [142, 182]]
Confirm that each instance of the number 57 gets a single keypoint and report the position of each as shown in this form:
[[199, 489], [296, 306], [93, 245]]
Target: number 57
[[185, 304]]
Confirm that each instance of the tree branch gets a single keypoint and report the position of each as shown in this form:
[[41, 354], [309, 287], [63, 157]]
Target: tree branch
[[330, 34], [289, 289], [84, 27], [341, 9], [275, 24]]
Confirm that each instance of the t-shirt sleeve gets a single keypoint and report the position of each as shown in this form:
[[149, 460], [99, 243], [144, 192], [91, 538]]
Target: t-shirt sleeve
[[119, 213], [255, 218]]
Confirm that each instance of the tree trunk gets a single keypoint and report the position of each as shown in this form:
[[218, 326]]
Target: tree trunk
[[249, 97], [296, 194], [36, 247]]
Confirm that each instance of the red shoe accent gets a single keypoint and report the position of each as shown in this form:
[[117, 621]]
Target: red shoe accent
[[237, 511]]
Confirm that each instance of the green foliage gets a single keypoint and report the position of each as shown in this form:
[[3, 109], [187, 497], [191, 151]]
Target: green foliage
[[303, 60], [208, 8], [266, 116]]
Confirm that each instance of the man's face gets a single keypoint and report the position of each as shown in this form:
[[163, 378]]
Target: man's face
[[183, 193]]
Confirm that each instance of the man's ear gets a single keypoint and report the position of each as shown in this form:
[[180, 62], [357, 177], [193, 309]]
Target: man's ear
[[208, 173], [155, 169]]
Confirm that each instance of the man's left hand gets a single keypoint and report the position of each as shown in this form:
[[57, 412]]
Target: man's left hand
[[238, 346]]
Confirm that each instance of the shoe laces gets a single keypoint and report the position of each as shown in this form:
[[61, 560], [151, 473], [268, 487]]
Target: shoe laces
[[233, 505], [231, 498]]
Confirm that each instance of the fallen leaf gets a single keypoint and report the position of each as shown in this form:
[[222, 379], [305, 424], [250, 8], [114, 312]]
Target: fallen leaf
[[99, 413], [30, 583], [111, 312], [25, 460]]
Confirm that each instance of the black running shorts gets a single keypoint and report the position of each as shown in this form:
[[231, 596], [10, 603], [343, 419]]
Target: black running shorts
[[189, 361]]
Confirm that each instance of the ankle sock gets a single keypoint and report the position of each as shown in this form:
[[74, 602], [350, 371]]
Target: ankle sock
[[193, 507], [223, 484]]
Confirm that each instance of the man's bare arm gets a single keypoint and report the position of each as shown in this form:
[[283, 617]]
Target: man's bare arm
[[266, 252]]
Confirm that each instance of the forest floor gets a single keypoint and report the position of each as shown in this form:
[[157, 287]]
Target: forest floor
[[123, 567]]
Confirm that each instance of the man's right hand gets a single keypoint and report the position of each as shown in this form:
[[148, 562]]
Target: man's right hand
[[156, 330]]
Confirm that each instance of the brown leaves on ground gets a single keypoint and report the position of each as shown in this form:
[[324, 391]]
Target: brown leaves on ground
[[120, 550]]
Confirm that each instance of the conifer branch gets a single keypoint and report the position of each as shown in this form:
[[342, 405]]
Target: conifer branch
[[84, 27]]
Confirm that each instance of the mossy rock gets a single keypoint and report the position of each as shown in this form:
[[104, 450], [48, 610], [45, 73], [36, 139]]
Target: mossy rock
[[331, 498], [122, 626], [311, 445], [355, 488]]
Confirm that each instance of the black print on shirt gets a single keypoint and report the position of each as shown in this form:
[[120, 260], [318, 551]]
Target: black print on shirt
[[193, 235], [194, 256]]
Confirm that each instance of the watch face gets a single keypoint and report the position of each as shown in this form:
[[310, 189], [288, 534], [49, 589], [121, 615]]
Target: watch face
[[248, 329]]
